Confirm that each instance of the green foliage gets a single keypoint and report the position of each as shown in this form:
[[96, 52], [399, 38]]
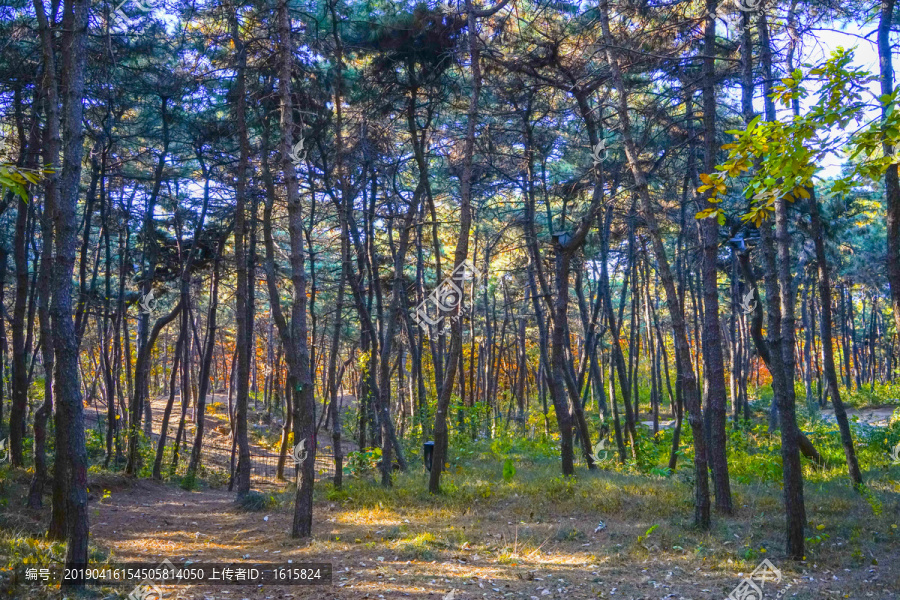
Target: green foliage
[[872, 499], [818, 538], [661, 471], [421, 547], [20, 549], [16, 179], [95, 440], [781, 157], [560, 487], [509, 470], [254, 501], [642, 538], [362, 463], [189, 482], [869, 395]]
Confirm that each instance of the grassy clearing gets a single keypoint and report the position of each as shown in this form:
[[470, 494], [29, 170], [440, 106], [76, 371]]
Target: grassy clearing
[[644, 514], [505, 509]]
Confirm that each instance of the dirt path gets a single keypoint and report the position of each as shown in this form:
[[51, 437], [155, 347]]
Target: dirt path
[[876, 416], [487, 549], [217, 442], [507, 553]]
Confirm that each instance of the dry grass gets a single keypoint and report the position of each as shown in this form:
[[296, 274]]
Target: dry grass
[[533, 536]]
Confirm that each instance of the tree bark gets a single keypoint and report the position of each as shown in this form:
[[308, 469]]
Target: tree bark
[[831, 380], [793, 471], [36, 490], [141, 377], [780, 296], [294, 333], [61, 197], [689, 380], [462, 245], [167, 412], [713, 360], [891, 178], [243, 319], [19, 396]]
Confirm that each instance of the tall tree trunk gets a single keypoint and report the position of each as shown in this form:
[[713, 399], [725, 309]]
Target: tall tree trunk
[[713, 360], [462, 243], [61, 197], [780, 296], [206, 362], [333, 383], [831, 380], [891, 179], [36, 491], [242, 314], [294, 334], [692, 399], [790, 452], [19, 395]]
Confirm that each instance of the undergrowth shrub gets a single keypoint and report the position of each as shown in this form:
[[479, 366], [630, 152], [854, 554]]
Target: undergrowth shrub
[[254, 501]]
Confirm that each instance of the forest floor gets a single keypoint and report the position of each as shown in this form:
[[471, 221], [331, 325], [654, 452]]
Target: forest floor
[[535, 535], [509, 547]]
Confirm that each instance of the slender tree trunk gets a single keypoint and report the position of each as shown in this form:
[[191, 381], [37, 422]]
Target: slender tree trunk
[[142, 375], [831, 379], [790, 452], [206, 362], [242, 314], [713, 359], [780, 297], [806, 345], [692, 399], [19, 395], [891, 178], [294, 334], [61, 198], [617, 427], [36, 491], [332, 386], [462, 246], [167, 412]]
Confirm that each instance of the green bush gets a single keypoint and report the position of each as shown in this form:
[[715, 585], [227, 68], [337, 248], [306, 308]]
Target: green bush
[[254, 501]]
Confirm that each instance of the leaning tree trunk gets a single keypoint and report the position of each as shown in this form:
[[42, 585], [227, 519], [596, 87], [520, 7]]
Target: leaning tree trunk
[[831, 380], [689, 379]]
